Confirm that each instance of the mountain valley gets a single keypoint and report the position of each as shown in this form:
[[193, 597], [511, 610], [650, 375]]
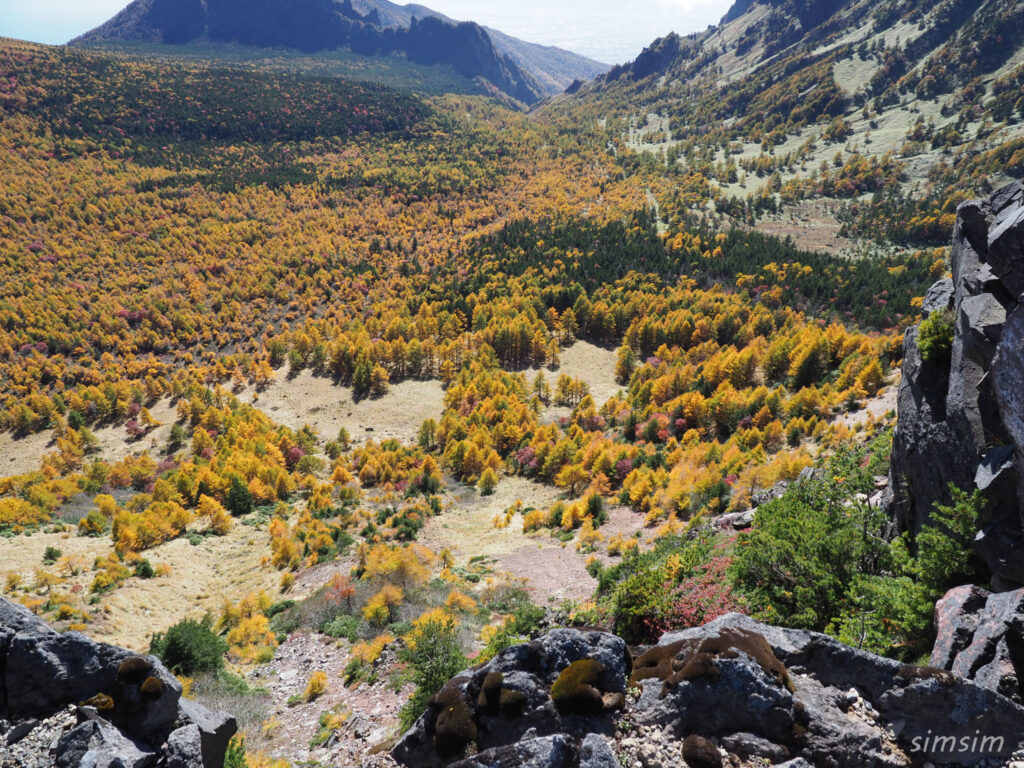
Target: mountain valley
[[390, 391]]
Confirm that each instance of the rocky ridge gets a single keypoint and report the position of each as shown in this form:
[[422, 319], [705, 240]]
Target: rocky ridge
[[67, 701], [318, 25], [733, 692], [960, 417]]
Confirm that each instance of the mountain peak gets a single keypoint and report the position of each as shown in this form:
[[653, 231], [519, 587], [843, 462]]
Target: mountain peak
[[524, 71]]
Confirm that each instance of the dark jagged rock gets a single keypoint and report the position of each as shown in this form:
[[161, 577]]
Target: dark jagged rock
[[214, 729], [595, 753], [134, 711], [981, 322], [1006, 238], [760, 691], [1000, 541], [955, 622], [1008, 382], [747, 746], [20, 731], [509, 700], [98, 743], [544, 752], [184, 748], [928, 452], [981, 637], [45, 671], [965, 424], [940, 296]]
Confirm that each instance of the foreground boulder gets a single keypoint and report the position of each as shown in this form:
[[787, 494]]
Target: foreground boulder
[[732, 688], [961, 417], [981, 637], [129, 707], [565, 684]]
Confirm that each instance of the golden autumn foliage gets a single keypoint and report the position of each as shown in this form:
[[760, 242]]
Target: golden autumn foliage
[[316, 686], [380, 607], [407, 565], [247, 628], [367, 652], [474, 247]]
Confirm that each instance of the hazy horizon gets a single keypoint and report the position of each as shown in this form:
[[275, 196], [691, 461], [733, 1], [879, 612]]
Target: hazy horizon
[[602, 30]]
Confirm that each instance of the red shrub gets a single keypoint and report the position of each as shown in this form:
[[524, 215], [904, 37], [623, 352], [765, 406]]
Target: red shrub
[[704, 596]]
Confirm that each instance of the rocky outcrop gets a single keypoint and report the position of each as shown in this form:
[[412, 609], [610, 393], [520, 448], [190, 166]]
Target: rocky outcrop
[[980, 636], [541, 697], [128, 707], [961, 417], [734, 687]]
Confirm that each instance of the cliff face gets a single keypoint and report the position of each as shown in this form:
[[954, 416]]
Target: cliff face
[[961, 418], [554, 68], [127, 709]]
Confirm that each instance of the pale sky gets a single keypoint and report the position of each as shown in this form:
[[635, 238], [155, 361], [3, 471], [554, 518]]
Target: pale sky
[[612, 31]]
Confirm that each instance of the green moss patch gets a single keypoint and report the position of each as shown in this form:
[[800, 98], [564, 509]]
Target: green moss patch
[[575, 691], [454, 729], [699, 752], [134, 670], [152, 687]]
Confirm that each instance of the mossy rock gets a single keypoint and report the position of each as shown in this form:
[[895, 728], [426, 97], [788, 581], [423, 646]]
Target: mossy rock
[[152, 688], [489, 699], [134, 670], [801, 721], [698, 665], [575, 691], [454, 729], [512, 703], [752, 644], [687, 660], [913, 673], [494, 699], [659, 662], [101, 702], [699, 752]]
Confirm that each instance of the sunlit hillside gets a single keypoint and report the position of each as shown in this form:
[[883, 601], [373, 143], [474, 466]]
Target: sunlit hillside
[[322, 369]]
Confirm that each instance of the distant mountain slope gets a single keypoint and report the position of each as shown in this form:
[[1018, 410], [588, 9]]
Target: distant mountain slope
[[554, 68], [523, 71], [888, 113]]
